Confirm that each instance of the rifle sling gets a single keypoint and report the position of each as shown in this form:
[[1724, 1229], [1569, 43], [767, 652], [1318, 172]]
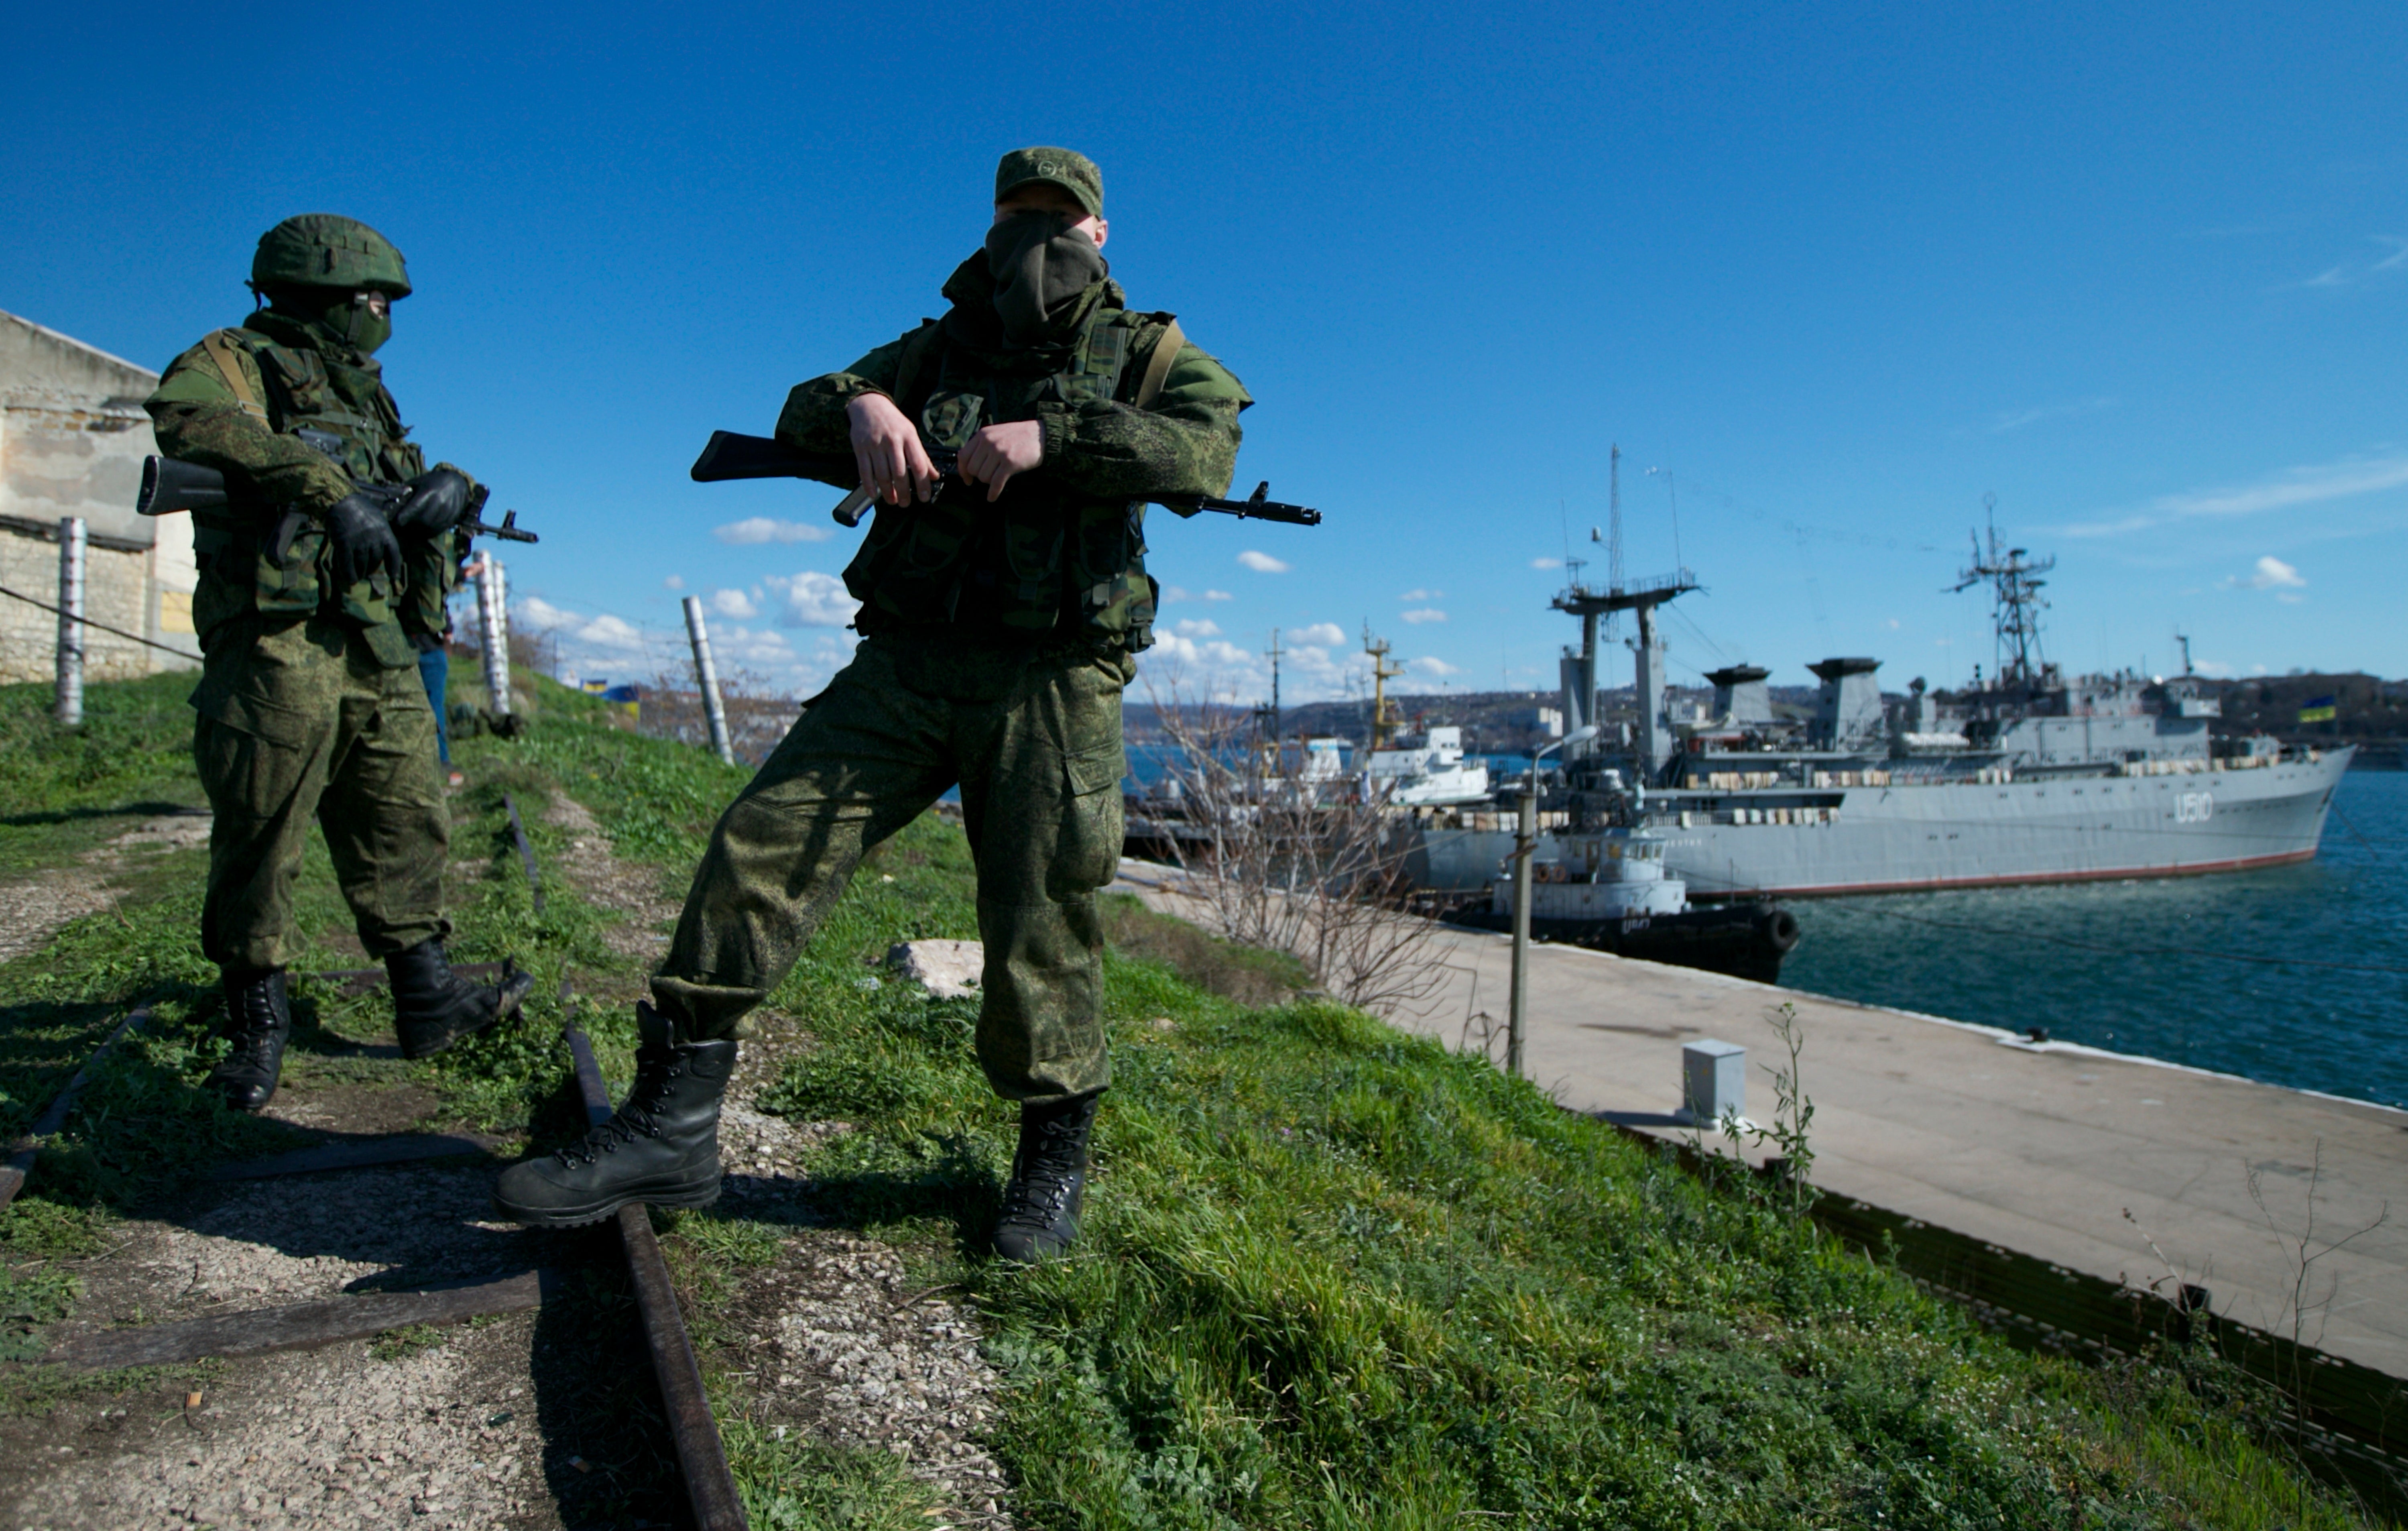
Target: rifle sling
[[1158, 366], [221, 352]]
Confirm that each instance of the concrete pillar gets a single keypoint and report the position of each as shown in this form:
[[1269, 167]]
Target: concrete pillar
[[71, 634], [493, 634], [705, 679]]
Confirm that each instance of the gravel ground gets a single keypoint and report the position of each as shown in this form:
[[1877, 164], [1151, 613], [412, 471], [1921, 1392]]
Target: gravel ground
[[333, 1438], [32, 909], [475, 1429]]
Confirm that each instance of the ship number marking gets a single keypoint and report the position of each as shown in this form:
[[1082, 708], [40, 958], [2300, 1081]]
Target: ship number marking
[[2194, 807]]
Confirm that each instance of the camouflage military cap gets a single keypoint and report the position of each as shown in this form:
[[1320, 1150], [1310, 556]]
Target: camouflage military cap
[[1073, 172], [323, 250]]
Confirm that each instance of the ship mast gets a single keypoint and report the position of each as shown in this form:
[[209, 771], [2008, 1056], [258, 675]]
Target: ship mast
[[1383, 722], [2015, 596]]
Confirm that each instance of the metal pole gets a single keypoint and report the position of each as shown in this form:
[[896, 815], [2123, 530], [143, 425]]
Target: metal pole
[[1526, 841], [705, 676], [493, 634], [71, 547]]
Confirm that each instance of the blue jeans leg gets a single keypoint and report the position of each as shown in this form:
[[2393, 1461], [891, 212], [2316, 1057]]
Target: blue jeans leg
[[434, 669]]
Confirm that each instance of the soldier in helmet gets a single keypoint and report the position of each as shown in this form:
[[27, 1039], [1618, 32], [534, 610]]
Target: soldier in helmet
[[310, 608], [998, 623]]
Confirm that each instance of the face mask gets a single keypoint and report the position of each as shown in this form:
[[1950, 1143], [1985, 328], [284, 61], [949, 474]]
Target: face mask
[[367, 328], [343, 315], [1039, 265]]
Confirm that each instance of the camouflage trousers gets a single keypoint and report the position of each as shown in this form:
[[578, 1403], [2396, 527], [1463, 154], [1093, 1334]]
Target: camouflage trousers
[[1033, 736], [299, 722]]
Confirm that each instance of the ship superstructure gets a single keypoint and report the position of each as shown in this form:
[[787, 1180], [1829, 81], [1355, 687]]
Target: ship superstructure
[[2026, 775]]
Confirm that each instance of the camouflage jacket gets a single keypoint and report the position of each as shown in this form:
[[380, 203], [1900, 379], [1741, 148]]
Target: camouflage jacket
[[297, 424], [1063, 551]]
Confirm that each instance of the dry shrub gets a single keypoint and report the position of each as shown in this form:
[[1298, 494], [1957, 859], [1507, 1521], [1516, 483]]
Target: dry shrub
[[1289, 865]]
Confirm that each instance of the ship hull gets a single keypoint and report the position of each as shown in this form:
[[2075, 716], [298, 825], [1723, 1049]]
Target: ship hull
[[1959, 834], [1745, 941]]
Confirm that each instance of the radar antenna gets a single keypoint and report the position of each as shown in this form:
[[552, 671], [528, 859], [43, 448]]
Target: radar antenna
[[2015, 596]]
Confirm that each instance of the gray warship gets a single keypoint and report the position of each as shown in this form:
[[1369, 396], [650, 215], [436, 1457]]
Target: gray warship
[[2027, 776]]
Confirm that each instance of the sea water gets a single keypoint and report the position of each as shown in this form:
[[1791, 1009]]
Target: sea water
[[2295, 975]]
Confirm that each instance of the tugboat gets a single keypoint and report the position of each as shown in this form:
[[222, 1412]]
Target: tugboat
[[1606, 888]]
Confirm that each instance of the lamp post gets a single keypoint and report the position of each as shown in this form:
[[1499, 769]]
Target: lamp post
[[1525, 841]]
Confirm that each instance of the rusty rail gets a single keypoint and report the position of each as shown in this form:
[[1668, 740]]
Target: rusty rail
[[710, 1487], [526, 851]]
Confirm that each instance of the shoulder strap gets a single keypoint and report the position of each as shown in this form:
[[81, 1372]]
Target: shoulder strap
[[222, 351], [918, 347], [1157, 367]]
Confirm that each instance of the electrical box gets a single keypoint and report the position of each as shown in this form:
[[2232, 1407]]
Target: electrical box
[[1713, 1081]]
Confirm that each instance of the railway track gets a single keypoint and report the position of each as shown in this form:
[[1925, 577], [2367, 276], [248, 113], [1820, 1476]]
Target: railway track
[[701, 1457]]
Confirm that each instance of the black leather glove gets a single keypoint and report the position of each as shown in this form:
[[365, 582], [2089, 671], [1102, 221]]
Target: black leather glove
[[439, 501], [364, 545]]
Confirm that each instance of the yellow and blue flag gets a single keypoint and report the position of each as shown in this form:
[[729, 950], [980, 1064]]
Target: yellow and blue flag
[[2318, 710]]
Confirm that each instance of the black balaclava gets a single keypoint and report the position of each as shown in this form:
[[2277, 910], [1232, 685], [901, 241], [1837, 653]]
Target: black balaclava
[[1039, 266], [337, 312]]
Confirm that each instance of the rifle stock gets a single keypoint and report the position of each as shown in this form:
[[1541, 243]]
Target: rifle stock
[[729, 455]]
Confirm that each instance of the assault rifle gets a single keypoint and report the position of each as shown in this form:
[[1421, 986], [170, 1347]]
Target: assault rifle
[[729, 455], [169, 485]]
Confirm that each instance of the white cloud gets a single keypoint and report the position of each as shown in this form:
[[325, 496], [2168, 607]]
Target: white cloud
[[1422, 595], [754, 530], [1430, 664], [1218, 595], [674, 582], [2348, 272], [2216, 670], [1893, 623], [1262, 563], [1425, 613], [1546, 563], [2274, 574], [1197, 627], [607, 631], [603, 631], [735, 603], [1325, 634], [813, 600], [1170, 593], [2304, 486], [2013, 420]]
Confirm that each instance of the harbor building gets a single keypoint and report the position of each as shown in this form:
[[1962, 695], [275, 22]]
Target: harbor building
[[72, 439]]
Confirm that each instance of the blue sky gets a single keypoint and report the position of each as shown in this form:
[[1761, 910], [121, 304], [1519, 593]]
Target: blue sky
[[2138, 271]]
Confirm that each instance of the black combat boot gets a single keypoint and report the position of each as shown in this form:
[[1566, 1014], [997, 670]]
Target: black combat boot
[[432, 1007], [661, 1148], [1049, 1181], [258, 1021]]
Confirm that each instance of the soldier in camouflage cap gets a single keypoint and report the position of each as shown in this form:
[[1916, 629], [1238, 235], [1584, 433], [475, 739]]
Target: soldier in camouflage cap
[[312, 610], [998, 629]]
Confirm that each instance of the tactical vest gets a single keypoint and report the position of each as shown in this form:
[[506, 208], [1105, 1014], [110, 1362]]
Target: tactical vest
[[1041, 559], [278, 562]]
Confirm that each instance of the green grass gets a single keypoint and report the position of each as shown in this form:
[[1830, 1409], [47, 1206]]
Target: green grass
[[1333, 1276], [67, 790]]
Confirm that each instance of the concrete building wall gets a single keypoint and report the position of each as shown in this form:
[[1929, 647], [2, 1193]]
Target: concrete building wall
[[72, 439]]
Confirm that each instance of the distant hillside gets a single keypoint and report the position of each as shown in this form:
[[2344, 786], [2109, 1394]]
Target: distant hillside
[[2368, 711]]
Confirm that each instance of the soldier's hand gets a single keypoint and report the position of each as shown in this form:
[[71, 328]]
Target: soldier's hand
[[438, 501], [998, 451], [887, 452], [364, 545]]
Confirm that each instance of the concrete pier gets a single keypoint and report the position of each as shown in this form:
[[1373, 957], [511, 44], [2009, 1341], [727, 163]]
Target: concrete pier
[[2290, 1207]]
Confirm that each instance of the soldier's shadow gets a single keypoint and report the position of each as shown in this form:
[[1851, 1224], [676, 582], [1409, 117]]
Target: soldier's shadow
[[952, 1181]]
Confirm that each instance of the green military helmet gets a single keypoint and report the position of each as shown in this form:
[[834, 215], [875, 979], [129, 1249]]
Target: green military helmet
[[325, 249]]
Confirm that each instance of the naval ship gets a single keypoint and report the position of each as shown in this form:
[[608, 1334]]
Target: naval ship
[[2027, 776]]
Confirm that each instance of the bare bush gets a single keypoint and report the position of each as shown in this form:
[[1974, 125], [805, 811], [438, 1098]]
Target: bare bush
[[758, 714], [1291, 864]]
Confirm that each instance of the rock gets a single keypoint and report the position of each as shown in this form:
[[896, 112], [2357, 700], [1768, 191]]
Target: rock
[[948, 970]]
